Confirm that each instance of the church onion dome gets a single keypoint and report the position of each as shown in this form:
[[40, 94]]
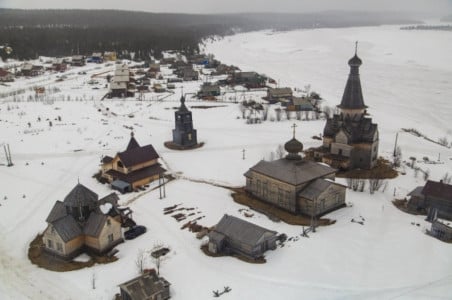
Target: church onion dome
[[182, 104], [355, 61], [293, 147]]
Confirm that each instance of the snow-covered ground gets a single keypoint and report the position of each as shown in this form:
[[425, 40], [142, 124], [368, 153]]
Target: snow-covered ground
[[407, 83]]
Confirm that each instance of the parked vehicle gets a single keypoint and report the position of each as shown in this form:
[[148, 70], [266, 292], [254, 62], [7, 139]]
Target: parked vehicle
[[134, 232]]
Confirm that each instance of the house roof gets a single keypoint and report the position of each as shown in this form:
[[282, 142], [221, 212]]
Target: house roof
[[58, 211], [438, 189], [280, 92], [241, 230], [94, 224], [417, 192], [135, 156], [145, 286], [139, 174], [4, 73], [107, 159], [315, 189], [67, 228], [110, 198], [81, 196], [293, 172]]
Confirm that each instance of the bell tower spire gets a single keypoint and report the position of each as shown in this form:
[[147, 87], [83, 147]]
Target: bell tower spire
[[352, 103]]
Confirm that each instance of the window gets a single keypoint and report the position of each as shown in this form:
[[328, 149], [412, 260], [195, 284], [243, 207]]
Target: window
[[50, 244], [110, 238], [265, 189], [258, 186], [59, 247], [340, 151], [108, 222], [189, 136], [52, 230], [120, 165]]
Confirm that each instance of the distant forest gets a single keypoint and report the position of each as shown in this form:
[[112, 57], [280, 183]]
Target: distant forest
[[447, 18], [31, 33]]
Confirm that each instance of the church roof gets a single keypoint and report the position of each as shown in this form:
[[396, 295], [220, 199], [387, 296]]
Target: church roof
[[81, 196], [135, 156], [241, 231], [353, 95], [294, 172], [182, 107], [315, 189], [359, 130], [138, 174]]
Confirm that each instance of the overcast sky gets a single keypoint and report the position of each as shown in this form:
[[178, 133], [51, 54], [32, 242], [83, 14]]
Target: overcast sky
[[440, 7]]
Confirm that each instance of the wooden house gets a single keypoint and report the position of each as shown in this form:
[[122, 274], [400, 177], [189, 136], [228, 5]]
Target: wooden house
[[208, 90], [110, 56], [155, 68], [434, 198], [250, 80], [78, 60], [6, 76], [442, 230], [77, 224], [275, 95], [350, 139], [148, 286], [59, 67], [132, 168], [236, 236], [31, 70], [296, 185], [122, 83]]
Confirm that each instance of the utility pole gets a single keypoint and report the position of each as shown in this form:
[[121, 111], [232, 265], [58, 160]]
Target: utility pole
[[395, 145], [243, 154], [9, 161]]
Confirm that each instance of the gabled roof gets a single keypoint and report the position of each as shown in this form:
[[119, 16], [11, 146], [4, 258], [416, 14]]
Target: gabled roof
[[110, 198], [67, 228], [293, 172], [107, 159], [138, 174], [94, 225], [315, 189], [58, 211], [438, 189], [242, 231], [359, 130], [81, 196], [280, 92], [138, 155], [417, 192]]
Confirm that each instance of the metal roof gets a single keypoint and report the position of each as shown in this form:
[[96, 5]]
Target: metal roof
[[81, 196], [58, 211], [94, 225], [242, 231], [144, 287], [67, 228], [315, 189], [134, 156], [438, 189], [294, 172], [353, 95]]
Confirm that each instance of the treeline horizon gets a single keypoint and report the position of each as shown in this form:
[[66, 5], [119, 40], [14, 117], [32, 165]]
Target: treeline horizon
[[33, 33]]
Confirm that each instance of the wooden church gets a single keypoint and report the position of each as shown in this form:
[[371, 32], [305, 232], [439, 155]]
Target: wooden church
[[350, 139]]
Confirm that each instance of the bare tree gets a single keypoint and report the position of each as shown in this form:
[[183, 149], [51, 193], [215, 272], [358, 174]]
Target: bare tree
[[298, 115], [397, 158], [288, 114], [280, 151], [443, 141], [140, 260], [375, 184], [426, 174]]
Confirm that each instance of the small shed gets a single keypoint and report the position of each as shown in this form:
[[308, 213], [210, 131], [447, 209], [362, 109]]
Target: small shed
[[442, 230], [121, 186], [236, 236], [276, 94], [148, 286]]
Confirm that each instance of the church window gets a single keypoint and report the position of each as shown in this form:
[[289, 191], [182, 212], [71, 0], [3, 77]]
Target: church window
[[265, 190], [110, 238], [108, 222], [340, 152], [258, 186], [59, 247], [50, 244], [120, 165], [189, 136]]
